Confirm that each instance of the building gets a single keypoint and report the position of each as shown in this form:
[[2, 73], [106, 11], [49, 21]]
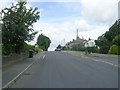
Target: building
[[81, 42], [78, 41], [90, 43]]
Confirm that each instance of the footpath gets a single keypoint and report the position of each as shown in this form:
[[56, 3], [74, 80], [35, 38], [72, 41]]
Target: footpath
[[12, 73]]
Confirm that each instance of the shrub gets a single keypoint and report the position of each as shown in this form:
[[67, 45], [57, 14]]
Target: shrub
[[104, 49], [114, 49]]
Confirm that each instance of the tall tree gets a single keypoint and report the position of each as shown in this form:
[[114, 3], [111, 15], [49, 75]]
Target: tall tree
[[116, 40], [43, 42], [18, 26], [106, 40]]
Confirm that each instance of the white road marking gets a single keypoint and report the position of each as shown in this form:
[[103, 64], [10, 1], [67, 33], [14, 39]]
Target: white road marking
[[43, 56], [106, 62], [102, 61]]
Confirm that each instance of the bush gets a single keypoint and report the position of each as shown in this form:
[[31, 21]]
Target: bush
[[114, 49], [104, 49], [92, 49]]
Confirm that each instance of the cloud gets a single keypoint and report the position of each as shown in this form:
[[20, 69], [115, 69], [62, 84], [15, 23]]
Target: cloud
[[56, 32], [100, 11], [119, 10], [53, 0], [4, 5], [94, 18]]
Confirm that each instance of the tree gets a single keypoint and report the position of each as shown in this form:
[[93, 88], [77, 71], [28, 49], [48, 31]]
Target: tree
[[59, 46], [115, 48], [43, 42], [102, 41], [106, 40], [18, 26], [116, 40]]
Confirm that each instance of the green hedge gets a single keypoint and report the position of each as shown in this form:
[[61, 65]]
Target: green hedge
[[114, 49], [92, 49]]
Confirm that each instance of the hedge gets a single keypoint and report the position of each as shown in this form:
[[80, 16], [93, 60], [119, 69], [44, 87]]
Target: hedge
[[114, 49]]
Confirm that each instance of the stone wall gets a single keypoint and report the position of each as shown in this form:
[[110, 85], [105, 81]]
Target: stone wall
[[14, 58]]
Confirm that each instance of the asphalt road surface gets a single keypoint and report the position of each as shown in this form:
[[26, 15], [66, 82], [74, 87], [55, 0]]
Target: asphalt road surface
[[62, 70]]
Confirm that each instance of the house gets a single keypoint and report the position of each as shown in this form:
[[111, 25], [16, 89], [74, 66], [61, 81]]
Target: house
[[78, 41], [90, 43]]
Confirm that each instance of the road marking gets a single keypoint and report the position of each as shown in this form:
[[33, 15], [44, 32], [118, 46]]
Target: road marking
[[43, 56], [101, 61], [105, 62]]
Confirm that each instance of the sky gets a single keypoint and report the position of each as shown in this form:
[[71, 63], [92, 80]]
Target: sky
[[59, 19]]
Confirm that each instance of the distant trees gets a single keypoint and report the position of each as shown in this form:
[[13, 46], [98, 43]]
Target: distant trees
[[59, 46], [17, 27], [109, 38], [78, 48], [43, 42]]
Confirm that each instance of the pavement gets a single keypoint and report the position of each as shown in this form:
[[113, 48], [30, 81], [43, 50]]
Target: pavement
[[63, 70], [13, 72]]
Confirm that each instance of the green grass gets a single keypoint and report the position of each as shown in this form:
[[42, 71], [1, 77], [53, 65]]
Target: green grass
[[79, 53], [76, 53]]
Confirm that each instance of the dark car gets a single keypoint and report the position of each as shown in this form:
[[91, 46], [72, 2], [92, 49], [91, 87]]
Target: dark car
[[58, 49]]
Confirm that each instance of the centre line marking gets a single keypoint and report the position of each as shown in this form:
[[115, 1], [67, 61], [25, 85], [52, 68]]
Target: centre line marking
[[43, 56]]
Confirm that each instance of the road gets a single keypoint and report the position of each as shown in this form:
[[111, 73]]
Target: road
[[63, 70], [0, 69]]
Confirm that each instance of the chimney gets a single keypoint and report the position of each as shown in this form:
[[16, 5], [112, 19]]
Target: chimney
[[76, 34]]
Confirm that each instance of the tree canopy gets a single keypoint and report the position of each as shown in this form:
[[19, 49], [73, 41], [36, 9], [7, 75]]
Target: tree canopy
[[109, 37], [43, 42], [18, 26]]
